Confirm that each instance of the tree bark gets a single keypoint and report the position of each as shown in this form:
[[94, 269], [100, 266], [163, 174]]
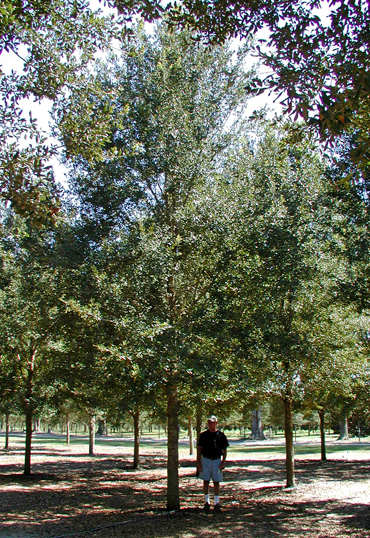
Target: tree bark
[[101, 426], [199, 420], [91, 434], [173, 497], [68, 431], [289, 448], [322, 434], [27, 461], [136, 437], [343, 428], [257, 427], [190, 429], [7, 420], [29, 412]]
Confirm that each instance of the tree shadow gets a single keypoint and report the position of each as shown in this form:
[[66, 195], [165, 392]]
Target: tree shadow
[[67, 497]]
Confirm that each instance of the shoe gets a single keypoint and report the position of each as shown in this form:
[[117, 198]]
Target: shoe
[[206, 507], [218, 508]]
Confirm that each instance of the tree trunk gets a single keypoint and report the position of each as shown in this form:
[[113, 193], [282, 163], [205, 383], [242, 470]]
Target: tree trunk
[[29, 412], [257, 427], [173, 498], [199, 420], [101, 426], [136, 437], [343, 428], [322, 434], [289, 448], [68, 431], [190, 429], [7, 420], [27, 461], [91, 434]]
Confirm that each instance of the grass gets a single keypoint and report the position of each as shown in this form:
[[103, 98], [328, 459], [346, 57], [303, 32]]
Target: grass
[[304, 445]]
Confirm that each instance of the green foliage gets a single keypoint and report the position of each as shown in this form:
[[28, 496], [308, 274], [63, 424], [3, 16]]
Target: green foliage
[[318, 54], [200, 259], [170, 100], [264, 287], [28, 315], [56, 42]]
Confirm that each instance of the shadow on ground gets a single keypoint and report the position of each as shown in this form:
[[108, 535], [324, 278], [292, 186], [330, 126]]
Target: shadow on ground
[[103, 497]]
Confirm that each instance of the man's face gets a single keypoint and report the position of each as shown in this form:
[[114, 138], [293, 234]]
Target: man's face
[[212, 426]]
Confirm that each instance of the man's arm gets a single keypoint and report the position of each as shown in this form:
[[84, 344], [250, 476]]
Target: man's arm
[[223, 461]]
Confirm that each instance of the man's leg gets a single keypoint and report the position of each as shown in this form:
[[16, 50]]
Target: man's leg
[[206, 495], [216, 491]]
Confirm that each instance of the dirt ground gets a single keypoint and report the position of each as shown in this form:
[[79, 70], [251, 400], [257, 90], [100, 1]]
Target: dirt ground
[[73, 495]]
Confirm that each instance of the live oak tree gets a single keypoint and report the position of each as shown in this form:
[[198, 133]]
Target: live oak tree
[[127, 383], [169, 100], [29, 319], [348, 241], [8, 376], [337, 373], [349, 211], [266, 290], [77, 375]]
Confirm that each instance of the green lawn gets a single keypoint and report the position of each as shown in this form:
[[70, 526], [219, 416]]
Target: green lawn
[[304, 445]]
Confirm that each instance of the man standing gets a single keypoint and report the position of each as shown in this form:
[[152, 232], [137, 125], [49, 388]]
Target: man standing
[[212, 446]]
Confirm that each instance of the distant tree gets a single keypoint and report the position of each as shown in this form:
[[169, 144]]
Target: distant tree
[[28, 316], [333, 379]]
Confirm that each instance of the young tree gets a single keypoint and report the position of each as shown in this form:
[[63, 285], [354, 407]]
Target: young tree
[[272, 263], [332, 381], [28, 312], [170, 101]]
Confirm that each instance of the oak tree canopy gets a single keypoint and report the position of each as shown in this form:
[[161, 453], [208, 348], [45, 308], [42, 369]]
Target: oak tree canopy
[[318, 53]]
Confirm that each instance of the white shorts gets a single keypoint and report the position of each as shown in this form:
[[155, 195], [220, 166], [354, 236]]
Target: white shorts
[[211, 469]]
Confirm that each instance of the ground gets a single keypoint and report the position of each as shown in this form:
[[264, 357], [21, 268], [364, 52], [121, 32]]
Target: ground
[[73, 495]]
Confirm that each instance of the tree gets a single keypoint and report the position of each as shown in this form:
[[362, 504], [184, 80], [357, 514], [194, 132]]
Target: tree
[[349, 210], [28, 316], [267, 290], [332, 381], [8, 390], [170, 100], [77, 375]]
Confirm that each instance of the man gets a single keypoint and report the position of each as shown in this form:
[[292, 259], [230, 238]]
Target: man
[[212, 446]]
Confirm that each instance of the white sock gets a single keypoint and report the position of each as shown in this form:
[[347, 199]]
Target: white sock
[[217, 499], [206, 498]]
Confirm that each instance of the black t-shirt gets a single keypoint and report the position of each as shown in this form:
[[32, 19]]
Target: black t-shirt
[[212, 443]]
